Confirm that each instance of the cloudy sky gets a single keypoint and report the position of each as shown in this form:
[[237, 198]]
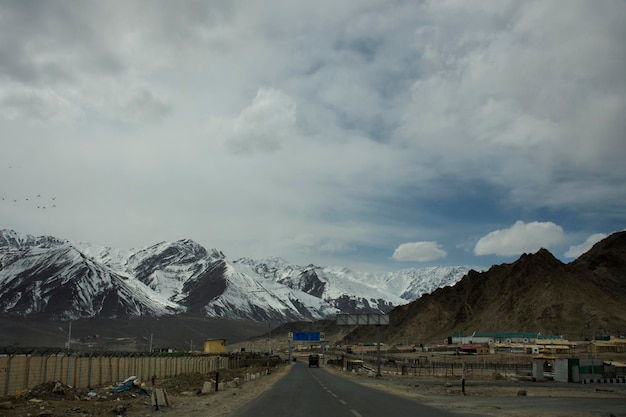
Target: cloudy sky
[[371, 134]]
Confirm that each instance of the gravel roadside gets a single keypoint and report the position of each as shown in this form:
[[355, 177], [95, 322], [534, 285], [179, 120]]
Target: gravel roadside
[[482, 397], [502, 397]]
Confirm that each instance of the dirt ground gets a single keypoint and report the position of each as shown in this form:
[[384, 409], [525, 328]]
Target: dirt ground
[[483, 397], [499, 395], [53, 399]]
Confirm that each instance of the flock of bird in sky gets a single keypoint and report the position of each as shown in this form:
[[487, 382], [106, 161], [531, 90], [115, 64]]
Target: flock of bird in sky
[[38, 201], [41, 203]]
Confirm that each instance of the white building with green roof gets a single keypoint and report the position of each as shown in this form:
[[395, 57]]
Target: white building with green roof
[[500, 337]]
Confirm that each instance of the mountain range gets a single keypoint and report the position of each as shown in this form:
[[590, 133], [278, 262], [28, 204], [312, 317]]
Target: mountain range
[[181, 292], [50, 278], [583, 299]]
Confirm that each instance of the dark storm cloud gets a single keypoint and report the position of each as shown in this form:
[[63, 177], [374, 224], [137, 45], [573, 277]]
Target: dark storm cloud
[[49, 42]]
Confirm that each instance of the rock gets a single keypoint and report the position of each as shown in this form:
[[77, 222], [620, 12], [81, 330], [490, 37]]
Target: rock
[[208, 387], [7, 405], [59, 388], [121, 409]]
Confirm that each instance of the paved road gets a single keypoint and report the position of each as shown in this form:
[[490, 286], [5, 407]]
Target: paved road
[[314, 392]]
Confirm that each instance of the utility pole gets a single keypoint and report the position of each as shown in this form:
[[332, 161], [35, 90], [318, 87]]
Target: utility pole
[[69, 337], [269, 345], [378, 374]]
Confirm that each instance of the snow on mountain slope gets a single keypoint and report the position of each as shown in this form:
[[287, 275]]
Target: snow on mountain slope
[[172, 277], [163, 267], [265, 300], [166, 266], [411, 284], [61, 282], [358, 291]]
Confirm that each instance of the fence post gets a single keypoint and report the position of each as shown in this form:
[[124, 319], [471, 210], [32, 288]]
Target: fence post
[[75, 381], [89, 370], [42, 369], [463, 379], [69, 367], [8, 378], [27, 371], [99, 370], [56, 365]]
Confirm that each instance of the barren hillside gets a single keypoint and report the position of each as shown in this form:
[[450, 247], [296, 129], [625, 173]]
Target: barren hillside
[[535, 293]]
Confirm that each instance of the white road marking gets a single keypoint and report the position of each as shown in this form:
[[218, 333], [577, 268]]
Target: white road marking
[[356, 413]]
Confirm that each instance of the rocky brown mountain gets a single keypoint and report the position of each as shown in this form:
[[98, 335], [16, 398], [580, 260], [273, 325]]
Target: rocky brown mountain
[[578, 300]]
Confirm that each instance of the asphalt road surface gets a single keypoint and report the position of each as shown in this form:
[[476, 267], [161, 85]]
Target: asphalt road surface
[[314, 392]]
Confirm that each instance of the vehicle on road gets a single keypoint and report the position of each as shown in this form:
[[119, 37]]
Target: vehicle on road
[[314, 360]]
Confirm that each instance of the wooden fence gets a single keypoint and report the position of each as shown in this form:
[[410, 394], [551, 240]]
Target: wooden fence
[[20, 372]]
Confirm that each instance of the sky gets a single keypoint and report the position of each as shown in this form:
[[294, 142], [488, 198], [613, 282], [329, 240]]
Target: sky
[[375, 135]]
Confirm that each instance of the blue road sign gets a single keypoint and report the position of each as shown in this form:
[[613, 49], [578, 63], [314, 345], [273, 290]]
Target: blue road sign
[[306, 336]]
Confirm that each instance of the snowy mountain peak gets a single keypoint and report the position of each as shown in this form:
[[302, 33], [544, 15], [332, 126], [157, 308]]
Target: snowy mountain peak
[[46, 276]]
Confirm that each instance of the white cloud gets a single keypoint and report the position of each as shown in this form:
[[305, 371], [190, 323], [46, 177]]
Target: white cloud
[[576, 250], [144, 105], [520, 238], [44, 104], [263, 126], [527, 125], [313, 129], [418, 252]]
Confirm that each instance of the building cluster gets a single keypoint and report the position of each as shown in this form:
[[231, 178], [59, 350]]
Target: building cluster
[[482, 343], [553, 356]]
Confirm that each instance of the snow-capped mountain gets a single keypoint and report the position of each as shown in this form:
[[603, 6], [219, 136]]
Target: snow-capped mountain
[[54, 278]]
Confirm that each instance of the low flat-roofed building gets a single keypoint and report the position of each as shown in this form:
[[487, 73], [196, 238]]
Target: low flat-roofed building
[[495, 337], [214, 345], [619, 368], [609, 346], [554, 345], [473, 349]]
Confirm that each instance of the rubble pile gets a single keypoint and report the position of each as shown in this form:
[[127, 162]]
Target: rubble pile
[[53, 390]]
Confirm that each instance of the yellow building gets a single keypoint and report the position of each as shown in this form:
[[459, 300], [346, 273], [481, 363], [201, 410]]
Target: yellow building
[[214, 345]]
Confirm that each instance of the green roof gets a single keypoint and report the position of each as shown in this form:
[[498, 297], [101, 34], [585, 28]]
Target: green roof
[[549, 336], [507, 335]]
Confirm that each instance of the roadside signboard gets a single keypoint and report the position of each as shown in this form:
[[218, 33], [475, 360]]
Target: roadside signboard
[[366, 320], [306, 336], [362, 319]]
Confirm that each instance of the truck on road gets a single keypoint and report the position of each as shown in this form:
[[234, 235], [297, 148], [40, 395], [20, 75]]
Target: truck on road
[[314, 360]]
